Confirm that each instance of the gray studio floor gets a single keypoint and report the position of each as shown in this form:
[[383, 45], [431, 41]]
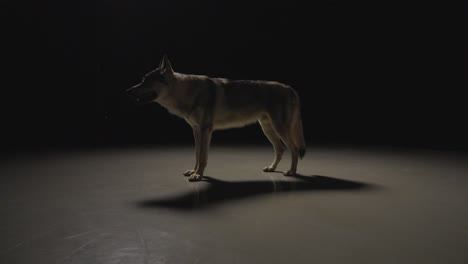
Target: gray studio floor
[[132, 205]]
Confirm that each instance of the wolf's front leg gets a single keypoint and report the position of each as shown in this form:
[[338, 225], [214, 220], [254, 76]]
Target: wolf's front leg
[[204, 145], [196, 136]]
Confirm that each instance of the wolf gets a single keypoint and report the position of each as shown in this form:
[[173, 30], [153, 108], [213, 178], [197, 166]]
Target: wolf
[[209, 104]]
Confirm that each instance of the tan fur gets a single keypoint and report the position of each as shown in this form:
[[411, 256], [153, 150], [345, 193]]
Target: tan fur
[[209, 104]]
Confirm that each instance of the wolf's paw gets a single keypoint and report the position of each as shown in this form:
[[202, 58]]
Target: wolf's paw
[[268, 169], [189, 172], [289, 173], [195, 177]]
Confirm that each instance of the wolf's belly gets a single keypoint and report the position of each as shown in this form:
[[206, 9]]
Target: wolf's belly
[[233, 120]]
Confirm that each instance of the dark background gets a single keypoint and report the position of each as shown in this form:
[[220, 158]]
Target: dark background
[[368, 72]]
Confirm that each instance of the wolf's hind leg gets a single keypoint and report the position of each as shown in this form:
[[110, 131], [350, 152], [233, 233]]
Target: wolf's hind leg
[[274, 140], [282, 128]]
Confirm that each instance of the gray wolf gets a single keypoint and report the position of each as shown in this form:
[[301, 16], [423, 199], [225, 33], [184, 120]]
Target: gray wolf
[[209, 104]]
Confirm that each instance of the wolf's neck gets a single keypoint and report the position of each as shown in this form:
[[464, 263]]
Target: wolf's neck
[[175, 101], [172, 105]]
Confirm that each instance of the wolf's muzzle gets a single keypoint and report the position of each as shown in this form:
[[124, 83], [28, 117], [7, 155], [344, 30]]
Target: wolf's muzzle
[[139, 97]]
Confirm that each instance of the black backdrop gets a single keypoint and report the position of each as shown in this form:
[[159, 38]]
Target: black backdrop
[[367, 72]]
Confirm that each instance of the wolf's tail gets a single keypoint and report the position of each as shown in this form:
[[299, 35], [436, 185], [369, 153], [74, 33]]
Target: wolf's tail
[[297, 130]]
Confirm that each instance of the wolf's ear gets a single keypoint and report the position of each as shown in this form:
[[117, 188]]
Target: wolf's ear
[[165, 65], [161, 63]]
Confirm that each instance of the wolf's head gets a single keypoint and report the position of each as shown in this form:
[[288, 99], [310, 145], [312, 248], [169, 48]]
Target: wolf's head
[[153, 84]]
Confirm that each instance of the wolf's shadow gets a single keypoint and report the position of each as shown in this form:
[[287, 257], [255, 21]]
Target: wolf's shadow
[[218, 191]]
